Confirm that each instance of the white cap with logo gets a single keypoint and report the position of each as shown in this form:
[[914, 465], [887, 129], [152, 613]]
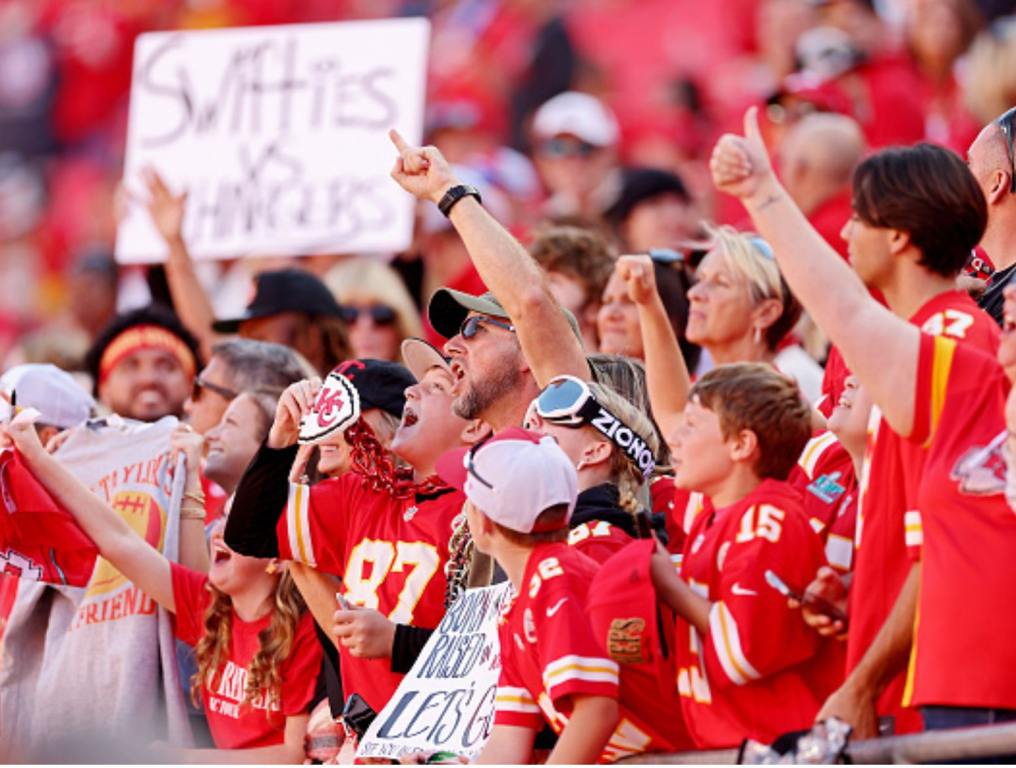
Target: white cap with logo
[[513, 477]]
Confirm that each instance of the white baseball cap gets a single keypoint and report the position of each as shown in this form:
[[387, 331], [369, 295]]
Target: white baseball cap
[[53, 392], [578, 114], [513, 477]]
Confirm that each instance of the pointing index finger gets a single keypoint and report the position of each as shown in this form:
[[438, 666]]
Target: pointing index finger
[[398, 141]]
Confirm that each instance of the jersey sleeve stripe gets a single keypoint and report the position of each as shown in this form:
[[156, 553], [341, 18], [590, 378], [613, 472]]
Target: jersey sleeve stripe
[[912, 530], [515, 700], [816, 525], [839, 552], [727, 643], [813, 452], [595, 670], [941, 367], [298, 524]]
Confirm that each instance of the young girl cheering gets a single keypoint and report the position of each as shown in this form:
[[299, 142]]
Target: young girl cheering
[[256, 652]]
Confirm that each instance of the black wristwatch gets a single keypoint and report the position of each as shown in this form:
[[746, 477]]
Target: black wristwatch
[[456, 193]]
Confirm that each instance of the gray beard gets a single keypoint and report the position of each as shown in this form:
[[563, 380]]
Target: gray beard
[[480, 396]]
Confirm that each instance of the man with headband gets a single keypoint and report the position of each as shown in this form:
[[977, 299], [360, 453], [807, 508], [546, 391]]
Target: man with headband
[[143, 364]]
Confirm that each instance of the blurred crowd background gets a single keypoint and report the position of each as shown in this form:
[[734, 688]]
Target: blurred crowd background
[[667, 77]]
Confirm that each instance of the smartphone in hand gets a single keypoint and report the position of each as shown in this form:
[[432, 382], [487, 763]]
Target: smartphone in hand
[[814, 602]]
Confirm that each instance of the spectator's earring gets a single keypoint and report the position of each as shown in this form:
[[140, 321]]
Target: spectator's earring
[[758, 335], [272, 567]]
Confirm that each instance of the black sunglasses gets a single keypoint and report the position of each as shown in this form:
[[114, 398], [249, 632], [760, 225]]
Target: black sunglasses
[[1007, 124], [471, 466], [471, 325], [380, 314], [200, 384]]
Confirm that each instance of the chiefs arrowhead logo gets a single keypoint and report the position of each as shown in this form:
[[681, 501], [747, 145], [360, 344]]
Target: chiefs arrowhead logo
[[336, 408], [981, 470]]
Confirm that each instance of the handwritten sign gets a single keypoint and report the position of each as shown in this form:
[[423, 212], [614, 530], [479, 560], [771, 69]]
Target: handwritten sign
[[336, 408], [277, 134], [446, 702]]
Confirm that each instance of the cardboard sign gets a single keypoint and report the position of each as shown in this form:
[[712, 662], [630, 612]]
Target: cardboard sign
[[336, 408], [446, 702], [277, 134]]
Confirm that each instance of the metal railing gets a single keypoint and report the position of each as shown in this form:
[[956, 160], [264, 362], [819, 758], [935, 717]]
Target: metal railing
[[972, 743]]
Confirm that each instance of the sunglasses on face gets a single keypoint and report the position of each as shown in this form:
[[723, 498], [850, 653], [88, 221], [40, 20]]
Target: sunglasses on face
[[1007, 124], [569, 402], [200, 385], [471, 325], [561, 147], [380, 314]]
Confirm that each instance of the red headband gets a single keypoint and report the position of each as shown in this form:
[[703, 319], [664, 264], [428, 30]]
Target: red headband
[[145, 337]]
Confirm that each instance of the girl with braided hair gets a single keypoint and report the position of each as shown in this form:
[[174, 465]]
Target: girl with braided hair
[[389, 533], [256, 654]]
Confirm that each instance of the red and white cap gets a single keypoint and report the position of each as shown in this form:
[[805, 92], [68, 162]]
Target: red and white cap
[[513, 477]]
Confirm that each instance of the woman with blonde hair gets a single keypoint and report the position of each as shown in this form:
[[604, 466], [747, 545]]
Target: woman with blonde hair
[[377, 307], [742, 309], [614, 448]]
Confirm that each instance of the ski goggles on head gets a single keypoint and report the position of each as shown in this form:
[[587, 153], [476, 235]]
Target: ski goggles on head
[[569, 402]]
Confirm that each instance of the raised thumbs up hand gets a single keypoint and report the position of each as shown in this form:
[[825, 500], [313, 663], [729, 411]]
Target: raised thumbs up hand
[[740, 164]]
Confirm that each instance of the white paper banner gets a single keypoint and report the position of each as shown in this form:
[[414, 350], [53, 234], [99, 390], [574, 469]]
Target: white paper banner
[[446, 702], [278, 134]]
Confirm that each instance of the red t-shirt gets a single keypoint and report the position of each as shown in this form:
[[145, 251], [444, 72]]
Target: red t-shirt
[[963, 653], [550, 653], [887, 519], [827, 482], [233, 723], [389, 553], [755, 674]]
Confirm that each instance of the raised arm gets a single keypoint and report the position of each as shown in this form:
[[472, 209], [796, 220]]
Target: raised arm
[[666, 374], [873, 341], [507, 269], [141, 563], [189, 298]]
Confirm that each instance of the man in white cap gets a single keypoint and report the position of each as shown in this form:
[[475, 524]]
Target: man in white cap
[[521, 489], [54, 393], [575, 140]]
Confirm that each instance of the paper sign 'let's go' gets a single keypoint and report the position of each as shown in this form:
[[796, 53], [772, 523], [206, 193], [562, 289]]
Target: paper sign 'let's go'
[[277, 134]]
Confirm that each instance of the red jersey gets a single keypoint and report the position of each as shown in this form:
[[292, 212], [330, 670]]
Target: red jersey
[[549, 653], [963, 653], [390, 554], [827, 482], [754, 673], [887, 519], [235, 723], [598, 540]]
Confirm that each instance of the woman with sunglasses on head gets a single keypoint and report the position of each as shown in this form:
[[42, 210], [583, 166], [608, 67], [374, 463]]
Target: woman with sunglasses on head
[[613, 447], [377, 307], [742, 310]]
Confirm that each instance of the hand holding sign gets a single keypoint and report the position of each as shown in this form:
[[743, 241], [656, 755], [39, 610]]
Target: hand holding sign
[[740, 164], [421, 171], [165, 208], [296, 400]]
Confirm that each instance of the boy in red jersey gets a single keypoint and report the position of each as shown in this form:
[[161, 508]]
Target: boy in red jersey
[[747, 666], [521, 490]]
